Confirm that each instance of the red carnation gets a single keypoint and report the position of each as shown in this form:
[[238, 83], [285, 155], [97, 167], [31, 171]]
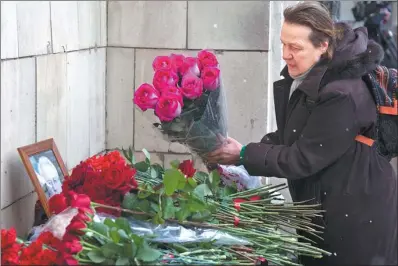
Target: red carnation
[[187, 168], [47, 238], [8, 237], [29, 253], [9, 247]]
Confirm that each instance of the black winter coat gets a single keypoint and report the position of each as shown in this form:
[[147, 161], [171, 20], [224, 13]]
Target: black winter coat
[[314, 148]]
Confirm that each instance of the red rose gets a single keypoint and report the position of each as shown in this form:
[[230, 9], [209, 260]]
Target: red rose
[[190, 65], [82, 216], [96, 190], [57, 203], [129, 177], [114, 177], [80, 201], [146, 97], [114, 156], [72, 247], [207, 59], [162, 63], [69, 237], [171, 90], [66, 259], [187, 168], [211, 78], [164, 78], [191, 86], [76, 226], [76, 179], [177, 60], [168, 108], [120, 177]]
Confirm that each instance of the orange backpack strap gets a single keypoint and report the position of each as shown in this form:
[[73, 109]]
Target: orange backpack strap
[[364, 140]]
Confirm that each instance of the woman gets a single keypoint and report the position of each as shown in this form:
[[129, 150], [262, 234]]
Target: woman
[[321, 105]]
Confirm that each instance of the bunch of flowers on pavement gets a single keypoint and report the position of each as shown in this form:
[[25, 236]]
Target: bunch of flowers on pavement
[[116, 211]]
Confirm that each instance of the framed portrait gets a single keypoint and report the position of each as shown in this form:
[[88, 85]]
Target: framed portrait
[[45, 168]]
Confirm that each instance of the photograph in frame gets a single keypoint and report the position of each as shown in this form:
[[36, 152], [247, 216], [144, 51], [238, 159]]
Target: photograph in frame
[[45, 168]]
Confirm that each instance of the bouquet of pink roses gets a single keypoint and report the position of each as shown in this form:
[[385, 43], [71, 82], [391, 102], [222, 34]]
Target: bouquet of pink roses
[[186, 95]]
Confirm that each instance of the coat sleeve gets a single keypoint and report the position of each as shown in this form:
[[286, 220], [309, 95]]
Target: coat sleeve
[[329, 132], [271, 138]]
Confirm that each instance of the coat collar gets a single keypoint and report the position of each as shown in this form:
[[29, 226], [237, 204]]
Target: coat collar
[[311, 83]]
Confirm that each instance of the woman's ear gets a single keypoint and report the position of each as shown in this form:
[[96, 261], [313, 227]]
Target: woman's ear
[[324, 47]]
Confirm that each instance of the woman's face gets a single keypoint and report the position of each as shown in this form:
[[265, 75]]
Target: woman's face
[[298, 51]]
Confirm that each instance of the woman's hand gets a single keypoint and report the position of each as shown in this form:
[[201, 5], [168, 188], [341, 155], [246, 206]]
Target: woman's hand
[[228, 154]]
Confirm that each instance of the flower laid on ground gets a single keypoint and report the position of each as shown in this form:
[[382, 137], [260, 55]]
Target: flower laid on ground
[[187, 168], [9, 247], [80, 233], [105, 179]]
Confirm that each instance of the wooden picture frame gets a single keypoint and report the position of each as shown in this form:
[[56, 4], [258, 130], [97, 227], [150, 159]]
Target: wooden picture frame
[[45, 168]]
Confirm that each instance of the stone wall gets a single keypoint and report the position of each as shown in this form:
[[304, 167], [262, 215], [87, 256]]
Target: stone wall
[[140, 30], [52, 85]]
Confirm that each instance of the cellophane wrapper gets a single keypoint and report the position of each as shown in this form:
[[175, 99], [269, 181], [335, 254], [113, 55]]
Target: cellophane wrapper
[[202, 125], [175, 233], [56, 224], [164, 233]]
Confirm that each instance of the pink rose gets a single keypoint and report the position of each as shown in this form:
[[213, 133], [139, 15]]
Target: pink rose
[[164, 78], [191, 86], [162, 63], [211, 78], [173, 91], [177, 60], [207, 59], [190, 65], [168, 108], [146, 97]]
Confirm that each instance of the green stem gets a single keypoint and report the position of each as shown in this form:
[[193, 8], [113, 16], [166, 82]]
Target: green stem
[[96, 233], [85, 261], [89, 245], [87, 249]]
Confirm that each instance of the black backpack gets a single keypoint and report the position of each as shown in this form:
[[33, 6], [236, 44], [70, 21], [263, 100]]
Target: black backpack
[[382, 83]]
